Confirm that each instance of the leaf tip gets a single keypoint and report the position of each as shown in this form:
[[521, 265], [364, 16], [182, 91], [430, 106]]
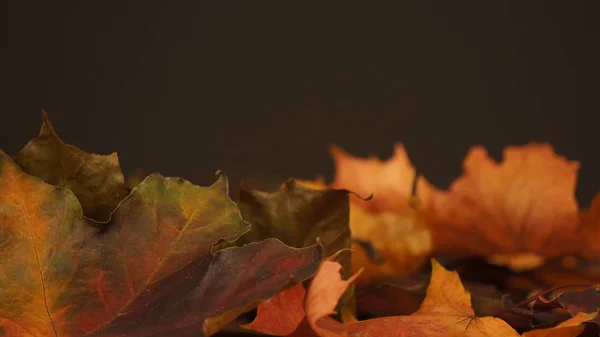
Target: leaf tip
[[222, 181], [47, 129]]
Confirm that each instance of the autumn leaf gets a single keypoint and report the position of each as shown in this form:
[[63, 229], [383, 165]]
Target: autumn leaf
[[402, 239], [282, 314], [149, 272], [96, 180], [582, 305], [525, 204], [445, 311], [392, 221], [586, 300], [298, 215], [390, 182], [404, 295]]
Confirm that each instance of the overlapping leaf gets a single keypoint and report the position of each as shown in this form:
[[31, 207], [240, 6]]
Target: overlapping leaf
[[96, 180], [298, 215], [149, 272], [174, 259], [445, 311], [392, 222], [517, 212]]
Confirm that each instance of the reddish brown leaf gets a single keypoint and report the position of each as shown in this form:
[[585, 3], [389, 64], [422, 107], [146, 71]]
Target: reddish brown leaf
[[585, 300], [150, 272], [280, 315]]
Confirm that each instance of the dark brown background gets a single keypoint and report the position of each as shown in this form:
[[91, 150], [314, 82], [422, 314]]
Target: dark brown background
[[189, 87]]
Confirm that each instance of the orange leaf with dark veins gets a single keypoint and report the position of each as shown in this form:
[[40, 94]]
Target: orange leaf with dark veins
[[151, 271], [525, 204]]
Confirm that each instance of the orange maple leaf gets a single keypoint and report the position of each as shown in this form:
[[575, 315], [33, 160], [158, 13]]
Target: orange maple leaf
[[402, 239], [525, 204], [280, 315], [446, 310], [392, 221], [390, 182]]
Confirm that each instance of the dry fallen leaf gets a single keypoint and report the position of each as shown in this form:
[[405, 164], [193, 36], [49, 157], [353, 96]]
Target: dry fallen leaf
[[282, 314], [96, 180], [525, 204], [84, 255], [390, 182], [149, 272], [392, 221], [445, 311], [402, 239], [298, 216]]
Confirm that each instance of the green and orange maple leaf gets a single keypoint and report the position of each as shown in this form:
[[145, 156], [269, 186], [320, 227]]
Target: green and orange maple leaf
[[151, 270]]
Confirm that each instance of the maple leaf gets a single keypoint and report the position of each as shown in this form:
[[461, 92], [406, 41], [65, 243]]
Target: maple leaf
[[282, 314], [390, 182], [151, 271], [298, 215], [585, 300], [96, 180], [525, 204], [392, 221], [445, 311], [403, 240]]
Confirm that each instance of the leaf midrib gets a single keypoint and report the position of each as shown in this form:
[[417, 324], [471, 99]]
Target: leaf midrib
[[37, 256], [151, 277]]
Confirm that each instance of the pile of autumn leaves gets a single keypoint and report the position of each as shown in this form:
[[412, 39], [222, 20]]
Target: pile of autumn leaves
[[82, 253]]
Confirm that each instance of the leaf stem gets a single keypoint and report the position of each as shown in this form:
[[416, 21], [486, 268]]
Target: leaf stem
[[548, 291]]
